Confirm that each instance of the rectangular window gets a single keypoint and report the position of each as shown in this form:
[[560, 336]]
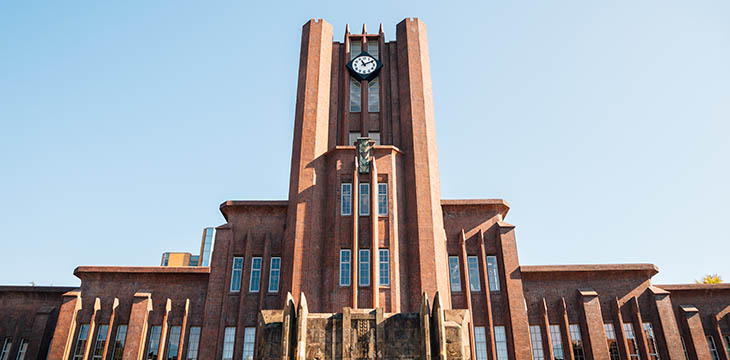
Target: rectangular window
[[346, 199], [119, 340], [7, 344], [474, 281], [364, 271], [173, 345], [236, 274], [493, 273], [651, 341], [557, 340], [274, 271], [374, 96], [98, 352], [612, 343], [480, 342], [384, 268], [255, 281], [81, 342], [454, 274], [355, 48], [536, 339], [249, 339], [355, 96], [207, 246], [578, 353], [373, 48], [22, 349], [713, 348], [631, 341], [165, 258], [229, 340], [500, 341], [375, 136], [193, 343], [364, 199], [353, 138], [382, 199], [344, 267], [154, 345]]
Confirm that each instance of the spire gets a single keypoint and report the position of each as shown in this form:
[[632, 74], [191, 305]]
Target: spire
[[347, 29], [380, 31], [364, 30]]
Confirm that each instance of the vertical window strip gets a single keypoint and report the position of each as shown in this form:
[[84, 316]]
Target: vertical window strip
[[154, 345], [375, 136], [557, 340], [474, 281], [713, 348], [578, 352], [255, 282], [631, 340], [173, 345], [374, 96], [364, 199], [493, 272], [727, 344], [236, 272], [612, 343], [355, 48], [384, 269], [500, 342], [382, 199], [536, 339], [274, 270], [119, 341], [22, 349], [81, 342], [249, 340], [7, 344], [345, 261], [373, 48], [193, 343], [98, 351], [651, 341], [364, 271], [480, 342], [454, 274], [355, 96], [346, 199], [229, 340]]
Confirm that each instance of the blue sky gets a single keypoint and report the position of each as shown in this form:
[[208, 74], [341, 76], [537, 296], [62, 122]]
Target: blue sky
[[123, 125]]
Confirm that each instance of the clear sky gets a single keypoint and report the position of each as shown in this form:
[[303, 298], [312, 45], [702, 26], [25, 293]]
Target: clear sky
[[124, 125]]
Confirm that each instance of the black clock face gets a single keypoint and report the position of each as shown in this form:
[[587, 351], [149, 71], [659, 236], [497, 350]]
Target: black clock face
[[364, 64]]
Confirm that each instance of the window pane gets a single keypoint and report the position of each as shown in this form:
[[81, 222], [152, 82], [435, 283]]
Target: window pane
[[193, 342], [651, 341], [364, 270], [384, 269], [375, 136], [557, 340], [154, 345], [274, 274], [81, 342], [355, 96], [346, 199], [353, 138], [382, 199], [249, 339], [474, 281], [236, 274], [355, 48], [119, 340], [493, 273], [173, 344], [713, 348], [454, 275], [536, 339], [373, 48], [578, 353], [480, 342], [500, 341], [98, 351], [229, 341], [374, 96], [344, 267], [22, 349], [364, 199], [254, 283]]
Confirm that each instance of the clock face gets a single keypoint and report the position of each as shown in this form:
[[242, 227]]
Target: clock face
[[364, 64]]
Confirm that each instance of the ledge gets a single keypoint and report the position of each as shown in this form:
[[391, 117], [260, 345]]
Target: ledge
[[694, 287], [498, 203], [536, 269], [37, 289], [377, 148], [142, 269], [251, 204]]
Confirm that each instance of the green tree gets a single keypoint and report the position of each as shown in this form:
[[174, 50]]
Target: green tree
[[710, 279]]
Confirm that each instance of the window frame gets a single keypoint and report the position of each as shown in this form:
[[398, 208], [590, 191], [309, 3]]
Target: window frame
[[249, 341], [480, 343], [255, 272], [236, 274], [154, 339], [228, 341], [103, 341], [384, 267], [119, 343], [472, 266], [493, 279], [273, 271], [556, 340], [383, 199], [363, 261], [346, 200], [169, 354], [500, 342], [83, 331], [363, 201], [454, 277], [193, 343]]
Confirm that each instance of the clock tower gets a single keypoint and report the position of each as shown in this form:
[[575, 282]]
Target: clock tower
[[364, 224]]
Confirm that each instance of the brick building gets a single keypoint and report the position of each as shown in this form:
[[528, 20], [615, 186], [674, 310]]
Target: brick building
[[388, 268]]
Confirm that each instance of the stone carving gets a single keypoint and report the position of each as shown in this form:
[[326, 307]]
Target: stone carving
[[364, 154]]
